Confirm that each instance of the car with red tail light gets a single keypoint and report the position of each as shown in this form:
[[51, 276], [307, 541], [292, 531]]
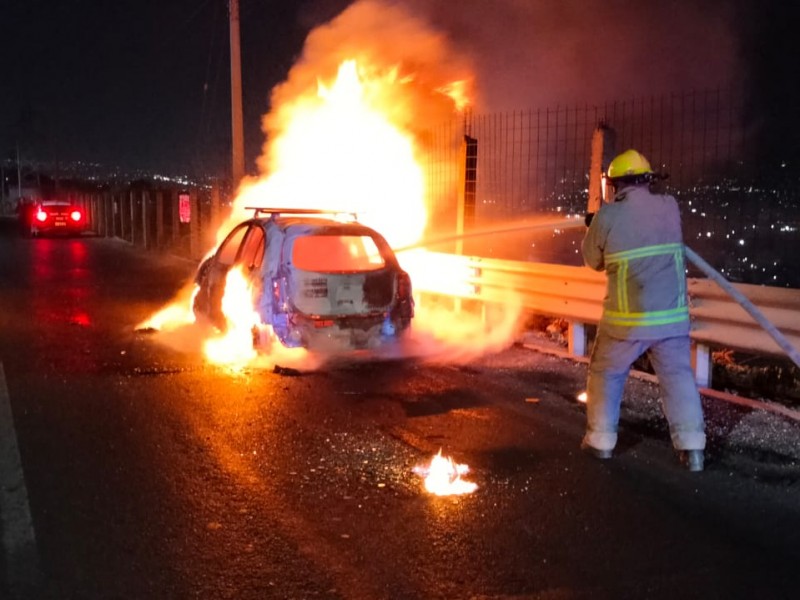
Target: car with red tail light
[[318, 279], [53, 217]]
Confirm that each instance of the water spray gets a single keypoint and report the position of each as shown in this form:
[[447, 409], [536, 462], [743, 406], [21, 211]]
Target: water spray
[[513, 228]]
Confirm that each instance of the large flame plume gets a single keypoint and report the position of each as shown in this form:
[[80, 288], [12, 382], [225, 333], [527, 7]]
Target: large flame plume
[[350, 130]]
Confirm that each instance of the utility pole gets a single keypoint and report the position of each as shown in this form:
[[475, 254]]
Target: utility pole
[[237, 129], [19, 178]]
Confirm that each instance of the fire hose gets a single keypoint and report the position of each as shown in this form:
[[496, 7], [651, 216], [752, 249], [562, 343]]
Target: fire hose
[[748, 306]]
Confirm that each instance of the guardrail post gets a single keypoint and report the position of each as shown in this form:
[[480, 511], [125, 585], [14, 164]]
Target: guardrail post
[[701, 363], [576, 338], [603, 142]]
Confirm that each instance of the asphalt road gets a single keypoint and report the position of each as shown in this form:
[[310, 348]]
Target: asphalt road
[[150, 474]]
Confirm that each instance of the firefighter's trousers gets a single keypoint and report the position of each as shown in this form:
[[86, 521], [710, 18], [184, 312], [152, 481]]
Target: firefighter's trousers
[[608, 370]]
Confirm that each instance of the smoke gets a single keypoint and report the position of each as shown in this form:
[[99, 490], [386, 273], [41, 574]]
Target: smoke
[[549, 52], [442, 334]]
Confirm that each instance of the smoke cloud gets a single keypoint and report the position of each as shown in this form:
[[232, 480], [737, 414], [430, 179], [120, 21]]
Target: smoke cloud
[[536, 53]]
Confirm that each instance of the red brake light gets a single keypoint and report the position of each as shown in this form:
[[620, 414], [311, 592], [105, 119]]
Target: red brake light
[[403, 286], [76, 215], [41, 215]]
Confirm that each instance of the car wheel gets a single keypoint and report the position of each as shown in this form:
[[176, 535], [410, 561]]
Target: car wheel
[[263, 338]]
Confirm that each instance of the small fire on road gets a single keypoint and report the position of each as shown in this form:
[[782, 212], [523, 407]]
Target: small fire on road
[[443, 477]]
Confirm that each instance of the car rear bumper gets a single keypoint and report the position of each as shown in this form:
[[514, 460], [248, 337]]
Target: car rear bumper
[[337, 334]]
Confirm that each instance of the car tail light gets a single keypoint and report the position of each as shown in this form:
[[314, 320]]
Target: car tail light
[[279, 303], [404, 308], [41, 215], [403, 286], [76, 215]]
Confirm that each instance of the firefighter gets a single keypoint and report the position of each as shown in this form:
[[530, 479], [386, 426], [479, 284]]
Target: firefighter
[[637, 240]]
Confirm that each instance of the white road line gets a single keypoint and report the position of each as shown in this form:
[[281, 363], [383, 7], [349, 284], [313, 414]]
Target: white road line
[[19, 541]]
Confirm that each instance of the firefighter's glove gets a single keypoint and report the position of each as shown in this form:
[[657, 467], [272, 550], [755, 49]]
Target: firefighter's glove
[[588, 218]]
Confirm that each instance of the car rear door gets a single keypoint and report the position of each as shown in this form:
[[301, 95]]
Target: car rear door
[[340, 274]]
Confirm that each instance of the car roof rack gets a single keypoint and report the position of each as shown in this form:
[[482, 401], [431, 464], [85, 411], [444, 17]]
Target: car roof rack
[[276, 212]]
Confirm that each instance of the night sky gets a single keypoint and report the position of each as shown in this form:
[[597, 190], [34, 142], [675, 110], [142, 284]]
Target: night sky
[[145, 83]]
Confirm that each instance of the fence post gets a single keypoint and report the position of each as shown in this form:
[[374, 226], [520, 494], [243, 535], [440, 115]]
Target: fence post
[[214, 220], [468, 170], [123, 211], [99, 213], [112, 214], [91, 211], [603, 142], [132, 200], [159, 219], [105, 202], [145, 215], [174, 200], [103, 216], [194, 226]]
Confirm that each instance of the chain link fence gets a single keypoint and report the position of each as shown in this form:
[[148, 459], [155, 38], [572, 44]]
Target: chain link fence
[[739, 216]]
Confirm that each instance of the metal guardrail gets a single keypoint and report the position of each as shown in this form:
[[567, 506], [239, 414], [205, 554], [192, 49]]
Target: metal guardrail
[[576, 295]]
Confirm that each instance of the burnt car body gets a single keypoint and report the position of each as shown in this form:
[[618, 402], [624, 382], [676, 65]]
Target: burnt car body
[[316, 281], [52, 217]]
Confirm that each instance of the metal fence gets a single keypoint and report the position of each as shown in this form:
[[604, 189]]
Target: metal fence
[[535, 162], [538, 159], [179, 221]]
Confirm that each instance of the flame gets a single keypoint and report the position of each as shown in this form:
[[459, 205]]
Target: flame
[[175, 314], [234, 347], [582, 397], [350, 130], [443, 477], [458, 91], [339, 151]]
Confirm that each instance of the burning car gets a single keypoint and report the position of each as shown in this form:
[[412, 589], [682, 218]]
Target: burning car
[[317, 279]]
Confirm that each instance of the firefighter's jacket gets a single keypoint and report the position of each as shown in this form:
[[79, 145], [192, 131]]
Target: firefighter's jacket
[[637, 240]]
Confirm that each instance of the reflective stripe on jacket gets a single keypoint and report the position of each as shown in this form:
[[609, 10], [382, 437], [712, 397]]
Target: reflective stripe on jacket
[[637, 240]]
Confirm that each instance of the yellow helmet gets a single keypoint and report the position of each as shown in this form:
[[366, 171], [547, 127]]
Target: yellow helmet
[[629, 164]]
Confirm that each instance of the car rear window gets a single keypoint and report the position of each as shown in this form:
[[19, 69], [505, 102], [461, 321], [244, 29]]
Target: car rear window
[[336, 253]]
